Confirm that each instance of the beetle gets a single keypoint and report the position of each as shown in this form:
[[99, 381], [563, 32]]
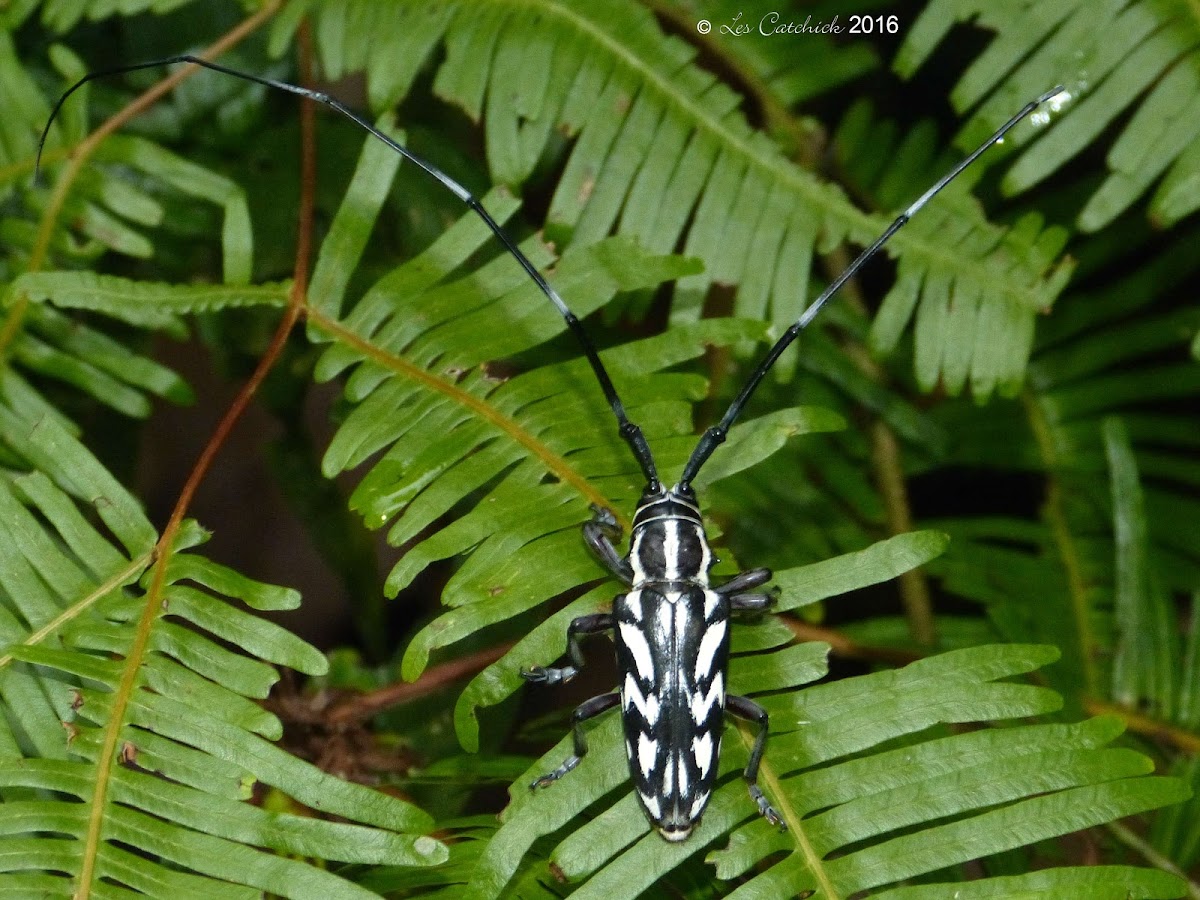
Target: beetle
[[672, 627]]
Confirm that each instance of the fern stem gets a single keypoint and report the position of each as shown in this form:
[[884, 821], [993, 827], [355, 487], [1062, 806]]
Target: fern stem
[[292, 314], [1141, 846], [133, 662], [1147, 726], [83, 151], [888, 469], [361, 707], [889, 476], [1056, 516], [773, 787], [53, 626], [847, 648]]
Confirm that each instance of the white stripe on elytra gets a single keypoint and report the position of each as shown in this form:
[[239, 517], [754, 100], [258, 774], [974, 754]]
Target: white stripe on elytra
[[711, 600], [652, 805], [698, 804], [703, 704], [702, 750], [633, 602], [633, 697], [647, 754], [663, 625], [681, 762], [639, 649], [671, 550], [706, 655], [682, 613], [668, 782]]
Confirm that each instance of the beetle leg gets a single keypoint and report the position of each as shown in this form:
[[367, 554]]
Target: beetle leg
[[751, 578], [602, 534], [586, 710], [751, 602], [583, 625], [745, 708]]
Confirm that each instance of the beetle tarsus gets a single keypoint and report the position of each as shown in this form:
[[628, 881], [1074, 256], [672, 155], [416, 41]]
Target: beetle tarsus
[[543, 675], [602, 534], [550, 777], [765, 808]]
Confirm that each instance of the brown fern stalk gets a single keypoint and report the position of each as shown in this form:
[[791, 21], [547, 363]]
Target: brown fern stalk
[[165, 546]]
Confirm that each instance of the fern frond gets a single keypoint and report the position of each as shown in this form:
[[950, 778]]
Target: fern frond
[[1009, 769], [664, 156], [1143, 616], [132, 739], [106, 205], [1164, 679], [961, 334], [144, 304], [54, 347], [1113, 351], [1115, 59], [862, 812], [110, 202], [61, 15], [23, 101]]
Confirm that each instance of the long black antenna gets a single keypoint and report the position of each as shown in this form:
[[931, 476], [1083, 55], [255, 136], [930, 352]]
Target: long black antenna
[[715, 436], [629, 431]]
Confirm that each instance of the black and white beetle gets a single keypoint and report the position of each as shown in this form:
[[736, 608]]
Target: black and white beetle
[[672, 627], [672, 637]]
